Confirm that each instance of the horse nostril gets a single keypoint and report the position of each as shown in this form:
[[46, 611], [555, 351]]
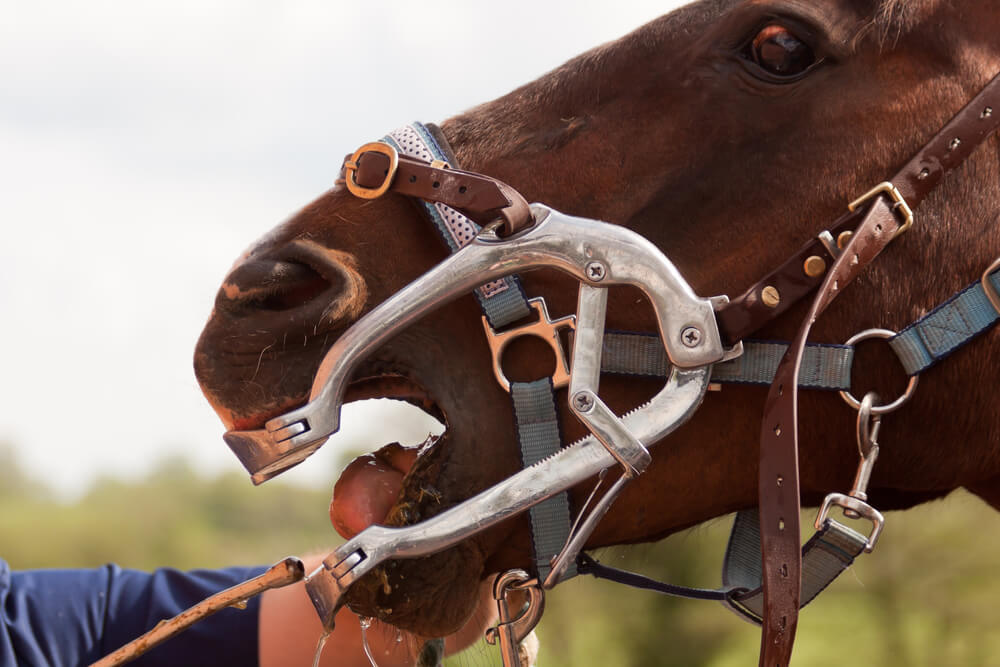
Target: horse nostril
[[270, 285]]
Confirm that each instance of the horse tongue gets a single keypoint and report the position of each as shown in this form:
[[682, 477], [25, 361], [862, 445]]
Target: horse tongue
[[369, 487]]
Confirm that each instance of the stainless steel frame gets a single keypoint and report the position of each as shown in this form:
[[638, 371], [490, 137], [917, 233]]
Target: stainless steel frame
[[558, 241]]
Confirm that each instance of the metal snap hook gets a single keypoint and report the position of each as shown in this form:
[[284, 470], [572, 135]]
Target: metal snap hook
[[854, 504], [513, 628]]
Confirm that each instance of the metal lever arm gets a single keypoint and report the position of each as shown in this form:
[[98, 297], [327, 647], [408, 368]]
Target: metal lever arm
[[583, 398], [671, 407]]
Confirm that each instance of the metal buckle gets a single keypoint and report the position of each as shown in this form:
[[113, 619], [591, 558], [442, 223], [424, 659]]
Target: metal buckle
[[861, 508], [889, 407], [900, 204], [991, 292], [351, 167], [546, 329]]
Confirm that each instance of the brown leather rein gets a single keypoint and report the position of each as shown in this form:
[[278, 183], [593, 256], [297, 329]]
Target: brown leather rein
[[846, 248]]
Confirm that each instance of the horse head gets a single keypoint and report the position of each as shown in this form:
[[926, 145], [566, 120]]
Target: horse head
[[728, 133]]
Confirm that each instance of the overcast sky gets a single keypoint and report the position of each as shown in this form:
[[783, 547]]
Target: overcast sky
[[143, 145]]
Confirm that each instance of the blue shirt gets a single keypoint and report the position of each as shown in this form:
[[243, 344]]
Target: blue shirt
[[65, 618]]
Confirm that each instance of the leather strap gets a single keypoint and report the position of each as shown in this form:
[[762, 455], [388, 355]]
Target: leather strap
[[778, 483], [482, 198], [750, 311]]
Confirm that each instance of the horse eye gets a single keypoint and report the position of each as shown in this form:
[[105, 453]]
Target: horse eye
[[779, 52]]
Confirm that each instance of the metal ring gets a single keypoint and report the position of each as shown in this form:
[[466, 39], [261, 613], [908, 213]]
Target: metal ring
[[884, 334]]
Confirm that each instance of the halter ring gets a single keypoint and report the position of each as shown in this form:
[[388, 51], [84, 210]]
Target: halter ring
[[849, 398]]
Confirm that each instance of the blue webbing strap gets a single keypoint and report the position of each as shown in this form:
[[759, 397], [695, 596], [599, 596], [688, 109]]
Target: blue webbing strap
[[503, 302], [830, 551], [946, 328], [539, 437], [823, 366]]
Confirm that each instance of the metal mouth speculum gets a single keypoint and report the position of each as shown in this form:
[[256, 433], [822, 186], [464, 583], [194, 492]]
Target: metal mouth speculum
[[577, 246]]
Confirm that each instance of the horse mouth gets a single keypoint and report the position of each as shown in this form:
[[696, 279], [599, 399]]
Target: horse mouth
[[398, 485], [395, 485]]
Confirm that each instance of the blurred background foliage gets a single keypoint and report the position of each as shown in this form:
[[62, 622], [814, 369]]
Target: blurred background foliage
[[925, 597]]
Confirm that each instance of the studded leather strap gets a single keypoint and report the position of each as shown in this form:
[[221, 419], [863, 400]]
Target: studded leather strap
[[779, 483], [750, 311]]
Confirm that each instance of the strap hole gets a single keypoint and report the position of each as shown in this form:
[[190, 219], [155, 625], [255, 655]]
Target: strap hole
[[878, 228], [924, 173], [784, 570], [777, 430], [954, 143], [781, 524], [462, 190], [987, 112], [436, 184], [780, 480], [413, 179], [781, 390]]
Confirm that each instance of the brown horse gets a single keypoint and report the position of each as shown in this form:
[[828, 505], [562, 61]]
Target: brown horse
[[728, 133]]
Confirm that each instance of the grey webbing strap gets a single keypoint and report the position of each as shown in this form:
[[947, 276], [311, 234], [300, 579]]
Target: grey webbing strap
[[503, 301], [824, 557], [947, 328], [539, 437], [823, 366]]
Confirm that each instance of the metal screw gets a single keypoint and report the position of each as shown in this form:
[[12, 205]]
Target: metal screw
[[691, 337], [770, 296], [583, 401], [596, 271]]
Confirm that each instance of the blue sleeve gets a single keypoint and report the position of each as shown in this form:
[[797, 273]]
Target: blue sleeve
[[65, 618]]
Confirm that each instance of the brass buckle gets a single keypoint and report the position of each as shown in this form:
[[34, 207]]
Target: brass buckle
[[546, 329], [351, 167], [900, 204]]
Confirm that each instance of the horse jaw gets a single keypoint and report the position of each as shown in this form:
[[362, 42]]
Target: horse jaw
[[272, 325]]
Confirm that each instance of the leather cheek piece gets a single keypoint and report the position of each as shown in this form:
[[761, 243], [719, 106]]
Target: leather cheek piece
[[481, 198]]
